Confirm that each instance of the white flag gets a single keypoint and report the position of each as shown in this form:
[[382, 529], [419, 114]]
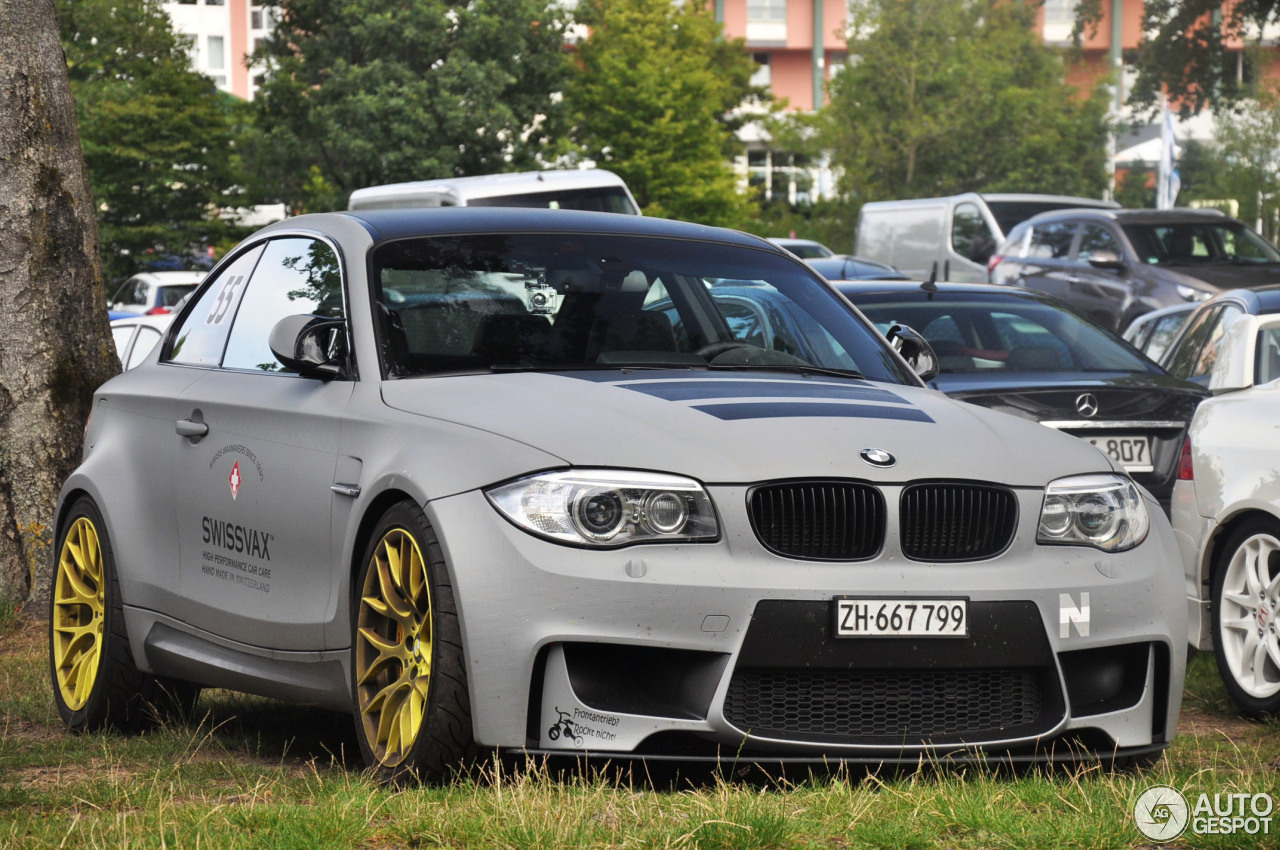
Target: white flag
[[1169, 181]]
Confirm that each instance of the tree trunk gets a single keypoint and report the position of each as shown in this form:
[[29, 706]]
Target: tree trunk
[[55, 345]]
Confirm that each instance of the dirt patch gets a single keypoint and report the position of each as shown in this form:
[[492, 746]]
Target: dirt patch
[[1200, 724], [23, 638]]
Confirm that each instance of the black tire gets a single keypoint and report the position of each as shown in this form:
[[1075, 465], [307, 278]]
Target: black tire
[[431, 738], [1246, 628], [96, 684]]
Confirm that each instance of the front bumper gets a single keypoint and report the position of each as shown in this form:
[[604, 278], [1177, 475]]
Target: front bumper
[[725, 649]]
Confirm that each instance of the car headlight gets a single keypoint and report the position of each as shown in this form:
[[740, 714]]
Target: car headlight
[[1105, 511], [608, 508], [1190, 293]]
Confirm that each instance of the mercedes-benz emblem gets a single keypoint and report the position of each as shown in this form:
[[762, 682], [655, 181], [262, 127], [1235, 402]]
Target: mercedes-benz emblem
[[878, 457], [1087, 404]]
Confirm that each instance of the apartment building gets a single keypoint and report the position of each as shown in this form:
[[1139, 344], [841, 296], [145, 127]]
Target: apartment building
[[221, 34]]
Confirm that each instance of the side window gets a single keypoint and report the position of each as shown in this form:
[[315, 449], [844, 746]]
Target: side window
[[147, 339], [1209, 353], [132, 291], [294, 276], [1268, 356], [203, 334], [1161, 335], [1052, 241], [1095, 239], [746, 322], [970, 235], [1183, 357], [121, 336]]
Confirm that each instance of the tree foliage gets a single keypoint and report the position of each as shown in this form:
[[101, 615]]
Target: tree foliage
[[158, 139], [653, 98], [946, 96], [1190, 49], [376, 91]]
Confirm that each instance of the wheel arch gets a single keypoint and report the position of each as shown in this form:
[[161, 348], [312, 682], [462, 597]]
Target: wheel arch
[[1215, 546], [373, 512]]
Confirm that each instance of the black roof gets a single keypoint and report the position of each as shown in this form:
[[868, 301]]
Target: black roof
[[1256, 300], [1135, 216], [391, 224]]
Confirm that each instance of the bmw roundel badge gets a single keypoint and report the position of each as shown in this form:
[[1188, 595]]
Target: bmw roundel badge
[[878, 457]]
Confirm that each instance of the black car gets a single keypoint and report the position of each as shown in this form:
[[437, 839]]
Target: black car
[[1194, 349], [848, 267], [1027, 354], [1115, 265]]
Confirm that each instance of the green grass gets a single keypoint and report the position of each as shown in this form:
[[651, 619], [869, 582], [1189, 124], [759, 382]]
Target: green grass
[[253, 773]]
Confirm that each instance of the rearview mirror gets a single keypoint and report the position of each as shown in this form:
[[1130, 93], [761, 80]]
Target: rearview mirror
[[916, 350], [312, 346]]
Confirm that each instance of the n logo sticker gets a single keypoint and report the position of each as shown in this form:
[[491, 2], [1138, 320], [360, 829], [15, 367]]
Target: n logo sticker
[[1071, 614]]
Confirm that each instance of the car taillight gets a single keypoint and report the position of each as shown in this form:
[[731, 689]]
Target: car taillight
[[1186, 471], [994, 261], [158, 311]]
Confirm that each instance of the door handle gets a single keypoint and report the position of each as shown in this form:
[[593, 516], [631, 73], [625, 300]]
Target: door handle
[[1073, 279], [191, 428]]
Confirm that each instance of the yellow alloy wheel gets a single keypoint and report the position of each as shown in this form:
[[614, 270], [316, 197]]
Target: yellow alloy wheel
[[393, 651], [79, 613]]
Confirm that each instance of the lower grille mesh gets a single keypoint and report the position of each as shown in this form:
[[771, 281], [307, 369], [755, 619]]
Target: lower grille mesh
[[855, 705]]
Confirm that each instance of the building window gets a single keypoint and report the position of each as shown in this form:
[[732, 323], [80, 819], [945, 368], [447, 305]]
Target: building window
[[255, 19], [214, 2], [767, 11], [1059, 20], [762, 77], [216, 59]]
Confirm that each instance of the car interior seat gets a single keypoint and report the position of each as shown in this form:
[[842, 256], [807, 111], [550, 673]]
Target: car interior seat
[[1034, 358]]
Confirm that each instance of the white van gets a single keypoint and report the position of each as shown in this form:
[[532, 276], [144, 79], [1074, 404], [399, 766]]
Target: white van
[[590, 189], [958, 233]]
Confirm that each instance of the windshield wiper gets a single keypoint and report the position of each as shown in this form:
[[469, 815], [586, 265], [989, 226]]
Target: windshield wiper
[[795, 368]]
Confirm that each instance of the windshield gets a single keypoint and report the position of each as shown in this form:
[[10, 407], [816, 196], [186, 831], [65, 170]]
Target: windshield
[[1199, 242], [1009, 214], [980, 332], [576, 301]]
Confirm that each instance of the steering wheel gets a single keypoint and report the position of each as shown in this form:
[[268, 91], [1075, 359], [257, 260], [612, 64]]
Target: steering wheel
[[713, 349]]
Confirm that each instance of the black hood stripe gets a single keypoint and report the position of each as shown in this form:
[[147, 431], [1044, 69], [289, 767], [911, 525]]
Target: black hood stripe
[[697, 390], [786, 409]]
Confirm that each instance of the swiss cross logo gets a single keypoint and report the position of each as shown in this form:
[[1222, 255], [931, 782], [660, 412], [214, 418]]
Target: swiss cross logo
[[234, 480]]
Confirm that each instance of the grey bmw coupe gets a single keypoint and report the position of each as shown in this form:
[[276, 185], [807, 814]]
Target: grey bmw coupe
[[513, 480]]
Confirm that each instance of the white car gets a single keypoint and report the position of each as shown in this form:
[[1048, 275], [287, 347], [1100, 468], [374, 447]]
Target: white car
[[1226, 514], [136, 336], [153, 293]]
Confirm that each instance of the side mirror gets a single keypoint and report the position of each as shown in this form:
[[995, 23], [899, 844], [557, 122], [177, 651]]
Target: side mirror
[[306, 344], [916, 350], [1108, 260]]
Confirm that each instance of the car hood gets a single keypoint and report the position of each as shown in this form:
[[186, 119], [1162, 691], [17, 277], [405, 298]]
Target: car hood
[[738, 428]]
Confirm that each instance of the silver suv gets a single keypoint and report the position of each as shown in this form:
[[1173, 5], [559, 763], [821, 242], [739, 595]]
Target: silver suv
[[1115, 265]]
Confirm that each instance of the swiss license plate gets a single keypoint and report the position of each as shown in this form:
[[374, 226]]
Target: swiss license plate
[[1129, 450], [902, 618]]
